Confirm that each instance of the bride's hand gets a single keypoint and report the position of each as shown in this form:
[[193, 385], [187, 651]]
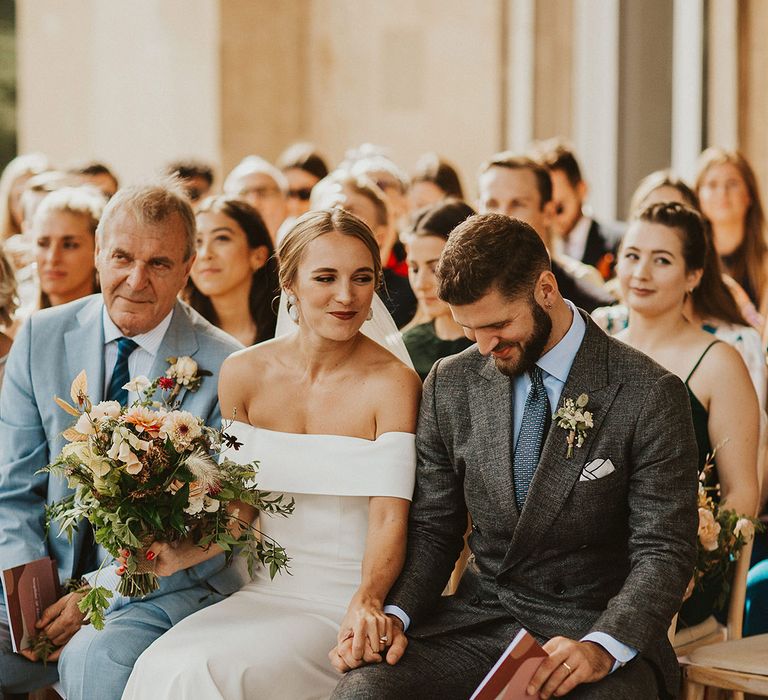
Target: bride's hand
[[367, 625], [168, 558]]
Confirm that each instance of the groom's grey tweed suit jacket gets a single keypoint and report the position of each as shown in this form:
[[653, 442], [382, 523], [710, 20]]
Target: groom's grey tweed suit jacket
[[611, 555]]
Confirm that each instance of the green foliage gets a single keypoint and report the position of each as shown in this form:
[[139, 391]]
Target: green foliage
[[94, 604]]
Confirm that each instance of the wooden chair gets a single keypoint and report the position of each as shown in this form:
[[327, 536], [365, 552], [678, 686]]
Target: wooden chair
[[705, 663]]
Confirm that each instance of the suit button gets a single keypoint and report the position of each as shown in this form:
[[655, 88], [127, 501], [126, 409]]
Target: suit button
[[559, 588]]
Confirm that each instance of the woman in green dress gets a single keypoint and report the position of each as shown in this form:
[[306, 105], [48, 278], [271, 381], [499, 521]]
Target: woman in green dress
[[660, 263], [441, 335]]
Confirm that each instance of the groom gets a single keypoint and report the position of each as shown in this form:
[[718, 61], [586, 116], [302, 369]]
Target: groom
[[591, 552], [145, 248]]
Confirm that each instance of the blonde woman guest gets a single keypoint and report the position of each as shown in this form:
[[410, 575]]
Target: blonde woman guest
[[351, 470], [661, 260], [234, 280], [12, 184], [64, 234]]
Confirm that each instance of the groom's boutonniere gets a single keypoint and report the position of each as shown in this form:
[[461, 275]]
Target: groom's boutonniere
[[185, 372], [572, 417]]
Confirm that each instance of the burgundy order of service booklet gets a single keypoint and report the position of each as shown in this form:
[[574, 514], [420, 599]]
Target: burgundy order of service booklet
[[28, 590], [508, 679]]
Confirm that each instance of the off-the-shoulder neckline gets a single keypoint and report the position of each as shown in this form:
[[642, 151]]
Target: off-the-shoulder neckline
[[324, 435]]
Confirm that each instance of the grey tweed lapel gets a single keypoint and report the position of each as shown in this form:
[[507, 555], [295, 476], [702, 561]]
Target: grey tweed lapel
[[556, 474], [491, 399]]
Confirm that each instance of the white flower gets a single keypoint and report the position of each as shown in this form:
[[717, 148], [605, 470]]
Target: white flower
[[137, 385], [210, 505], [124, 447], [105, 409], [745, 528], [182, 428], [195, 506], [84, 425], [184, 370], [83, 452]]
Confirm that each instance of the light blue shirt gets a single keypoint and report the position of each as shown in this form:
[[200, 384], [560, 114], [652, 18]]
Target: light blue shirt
[[556, 366]]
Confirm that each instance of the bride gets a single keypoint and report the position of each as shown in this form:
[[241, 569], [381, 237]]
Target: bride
[[330, 415]]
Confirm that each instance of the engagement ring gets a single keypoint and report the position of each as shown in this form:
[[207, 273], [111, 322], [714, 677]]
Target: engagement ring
[[384, 639]]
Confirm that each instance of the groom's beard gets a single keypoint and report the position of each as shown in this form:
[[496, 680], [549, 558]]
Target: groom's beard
[[530, 349]]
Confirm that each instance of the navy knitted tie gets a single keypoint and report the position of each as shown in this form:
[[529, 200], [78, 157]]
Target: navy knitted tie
[[536, 421], [120, 375]]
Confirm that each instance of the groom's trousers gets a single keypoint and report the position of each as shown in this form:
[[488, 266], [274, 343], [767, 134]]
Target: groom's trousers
[[450, 666]]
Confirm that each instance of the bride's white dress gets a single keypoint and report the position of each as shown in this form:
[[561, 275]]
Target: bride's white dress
[[271, 639]]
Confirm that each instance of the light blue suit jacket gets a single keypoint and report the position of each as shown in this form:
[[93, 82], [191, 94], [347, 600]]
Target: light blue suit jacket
[[51, 349]]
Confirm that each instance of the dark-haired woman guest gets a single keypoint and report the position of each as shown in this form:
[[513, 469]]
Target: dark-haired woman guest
[[661, 262], [234, 279], [441, 335], [433, 180]]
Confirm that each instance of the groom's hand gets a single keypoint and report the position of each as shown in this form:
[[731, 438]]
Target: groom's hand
[[343, 658], [569, 664], [59, 622]]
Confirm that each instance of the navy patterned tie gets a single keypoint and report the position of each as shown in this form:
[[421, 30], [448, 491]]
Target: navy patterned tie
[[536, 421], [120, 375]]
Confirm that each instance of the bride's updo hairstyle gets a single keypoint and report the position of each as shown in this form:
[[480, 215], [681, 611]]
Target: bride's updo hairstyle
[[314, 224]]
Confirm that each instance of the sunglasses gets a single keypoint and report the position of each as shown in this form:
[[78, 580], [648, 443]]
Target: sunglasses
[[303, 194]]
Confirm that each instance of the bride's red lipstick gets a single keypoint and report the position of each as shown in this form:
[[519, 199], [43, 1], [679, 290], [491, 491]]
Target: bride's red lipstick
[[344, 315]]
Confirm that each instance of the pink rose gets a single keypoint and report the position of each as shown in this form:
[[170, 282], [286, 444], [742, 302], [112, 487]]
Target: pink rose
[[709, 529]]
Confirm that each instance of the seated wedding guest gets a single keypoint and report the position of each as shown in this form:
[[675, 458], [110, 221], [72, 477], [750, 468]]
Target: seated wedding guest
[[98, 175], [350, 470], [12, 184], [730, 199], [717, 304], [521, 188], [433, 179], [260, 184], [303, 167], [234, 281], [64, 230], [372, 162], [441, 335], [581, 236], [363, 198], [8, 303], [145, 247], [661, 261], [195, 177]]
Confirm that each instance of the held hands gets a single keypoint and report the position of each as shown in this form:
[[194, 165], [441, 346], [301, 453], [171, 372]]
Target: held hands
[[569, 664], [364, 636], [59, 623]]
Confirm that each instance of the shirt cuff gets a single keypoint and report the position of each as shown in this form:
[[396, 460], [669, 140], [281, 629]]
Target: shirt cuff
[[621, 652], [400, 614]]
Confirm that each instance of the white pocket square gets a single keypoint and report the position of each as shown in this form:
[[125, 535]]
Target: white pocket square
[[597, 469]]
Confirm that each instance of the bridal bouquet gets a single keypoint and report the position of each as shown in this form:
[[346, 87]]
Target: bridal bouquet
[[146, 473], [722, 535]]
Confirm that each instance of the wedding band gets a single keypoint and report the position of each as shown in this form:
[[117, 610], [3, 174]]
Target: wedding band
[[384, 639], [567, 668]]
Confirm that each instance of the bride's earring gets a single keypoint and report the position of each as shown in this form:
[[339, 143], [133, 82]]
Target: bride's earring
[[369, 317], [293, 309]]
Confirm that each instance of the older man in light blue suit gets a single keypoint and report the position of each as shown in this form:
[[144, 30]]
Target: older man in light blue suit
[[144, 252]]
